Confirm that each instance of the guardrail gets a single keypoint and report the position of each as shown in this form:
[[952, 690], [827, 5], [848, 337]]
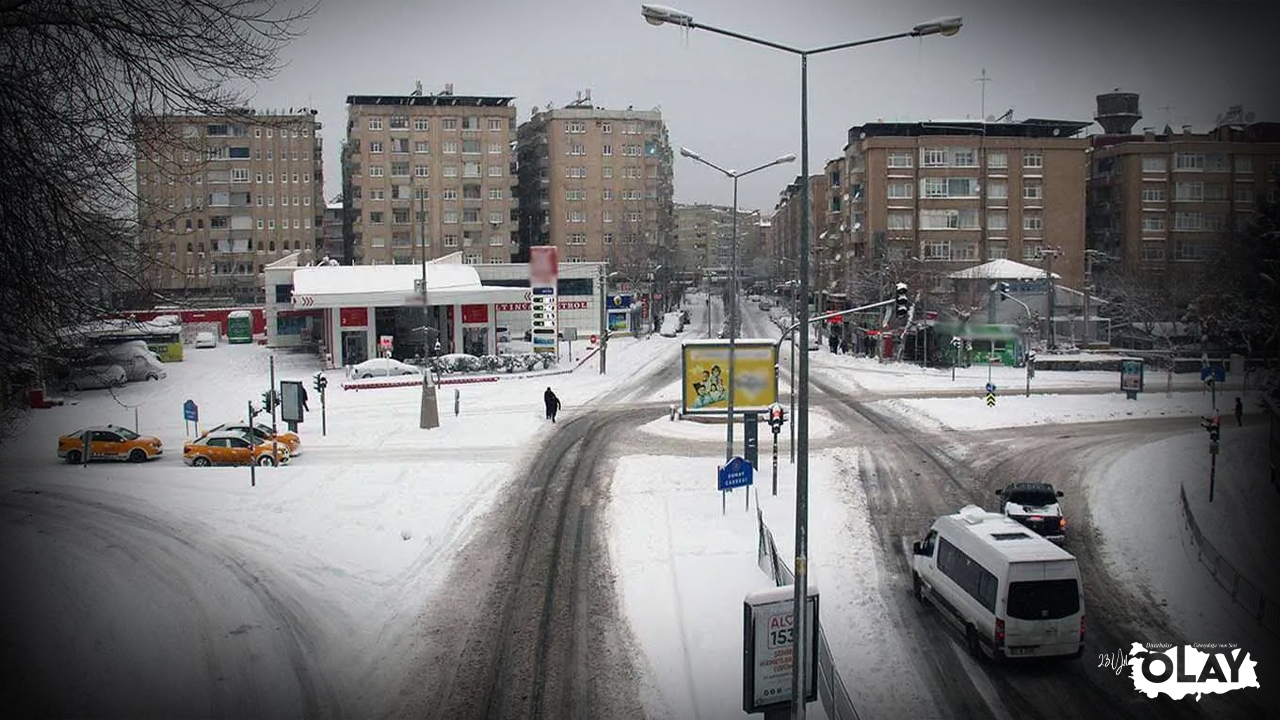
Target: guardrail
[[831, 688], [1245, 594]]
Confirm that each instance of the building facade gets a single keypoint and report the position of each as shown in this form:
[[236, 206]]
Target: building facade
[[219, 198], [597, 184], [944, 195], [433, 173], [1160, 201]]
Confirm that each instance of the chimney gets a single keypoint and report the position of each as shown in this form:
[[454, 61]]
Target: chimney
[[1186, 129], [1148, 134], [448, 88]]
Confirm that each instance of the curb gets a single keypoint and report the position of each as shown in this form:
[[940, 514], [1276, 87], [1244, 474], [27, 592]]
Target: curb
[[467, 380]]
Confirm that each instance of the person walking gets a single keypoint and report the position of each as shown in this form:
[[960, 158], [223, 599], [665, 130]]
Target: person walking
[[553, 404], [304, 398], [1239, 413]]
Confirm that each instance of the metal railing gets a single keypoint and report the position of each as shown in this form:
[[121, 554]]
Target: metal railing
[[1247, 595], [832, 692]]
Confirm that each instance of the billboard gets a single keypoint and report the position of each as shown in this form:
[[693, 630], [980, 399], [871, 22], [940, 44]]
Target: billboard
[[705, 376]]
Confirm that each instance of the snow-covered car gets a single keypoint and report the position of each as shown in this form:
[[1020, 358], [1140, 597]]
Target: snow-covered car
[[672, 323], [89, 377], [206, 340], [1036, 506], [383, 367], [109, 442], [262, 433]]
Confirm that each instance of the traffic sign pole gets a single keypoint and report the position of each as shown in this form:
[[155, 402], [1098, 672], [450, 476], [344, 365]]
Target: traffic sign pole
[[775, 461]]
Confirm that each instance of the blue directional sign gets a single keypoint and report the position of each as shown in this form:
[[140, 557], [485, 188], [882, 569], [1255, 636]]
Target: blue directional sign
[[991, 387], [190, 412], [1214, 373], [736, 473]]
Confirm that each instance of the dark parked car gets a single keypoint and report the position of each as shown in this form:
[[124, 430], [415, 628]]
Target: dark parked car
[[1035, 505]]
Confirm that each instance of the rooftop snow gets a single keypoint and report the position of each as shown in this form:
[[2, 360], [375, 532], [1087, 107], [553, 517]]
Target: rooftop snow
[[1001, 269]]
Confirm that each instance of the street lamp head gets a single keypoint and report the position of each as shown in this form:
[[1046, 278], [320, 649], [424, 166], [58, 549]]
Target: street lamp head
[[689, 153], [945, 26], [789, 157], [661, 14]]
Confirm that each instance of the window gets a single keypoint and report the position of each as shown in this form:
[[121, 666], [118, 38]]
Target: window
[[470, 216], [399, 169], [421, 124], [495, 148], [607, 173], [495, 124], [964, 157], [450, 217], [422, 147], [1032, 159], [399, 145], [899, 220], [998, 221], [607, 150], [1215, 192], [1032, 222], [577, 216], [606, 194], [576, 239], [606, 127], [239, 175], [899, 160], [1243, 193], [377, 194], [606, 216], [1215, 222], [1155, 164], [997, 161], [575, 194], [575, 126], [260, 224], [495, 217], [576, 172], [451, 241], [421, 171], [376, 217], [998, 190], [375, 171], [608, 238], [933, 157], [1244, 164], [1032, 251], [495, 171], [450, 194], [1188, 221], [1188, 191], [997, 250], [1032, 190], [471, 122], [450, 147], [1215, 162], [962, 219], [495, 193], [375, 123], [1153, 223], [450, 171], [937, 250], [933, 187], [471, 146], [470, 170], [1188, 161], [964, 251], [306, 177], [1153, 193]]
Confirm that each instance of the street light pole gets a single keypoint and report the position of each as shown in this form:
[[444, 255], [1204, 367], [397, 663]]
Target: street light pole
[[659, 15], [733, 274]]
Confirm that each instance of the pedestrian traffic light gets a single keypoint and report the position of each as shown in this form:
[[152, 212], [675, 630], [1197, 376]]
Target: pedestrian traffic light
[[902, 304]]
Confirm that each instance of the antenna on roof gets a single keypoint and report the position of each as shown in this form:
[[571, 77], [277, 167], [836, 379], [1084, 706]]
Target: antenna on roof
[[417, 88]]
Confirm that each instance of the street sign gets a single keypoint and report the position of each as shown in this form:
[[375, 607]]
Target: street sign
[[1213, 373], [991, 387], [991, 400], [190, 412], [736, 473], [751, 438], [769, 639]]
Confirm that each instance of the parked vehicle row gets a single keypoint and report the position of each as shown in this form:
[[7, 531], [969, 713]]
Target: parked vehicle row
[[108, 366], [227, 444]]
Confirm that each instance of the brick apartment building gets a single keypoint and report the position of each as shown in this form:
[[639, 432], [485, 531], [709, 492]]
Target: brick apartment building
[[221, 197], [435, 170], [1160, 201], [597, 184]]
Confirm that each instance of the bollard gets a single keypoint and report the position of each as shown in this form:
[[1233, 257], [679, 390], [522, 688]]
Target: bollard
[[673, 413], [457, 401]]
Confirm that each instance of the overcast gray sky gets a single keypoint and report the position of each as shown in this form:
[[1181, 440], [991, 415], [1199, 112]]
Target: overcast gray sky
[[739, 104]]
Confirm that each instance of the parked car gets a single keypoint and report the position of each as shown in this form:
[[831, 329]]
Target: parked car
[[1011, 592], [383, 367], [109, 442], [671, 324], [138, 363], [232, 448], [262, 432], [1036, 506], [90, 377], [766, 305], [206, 340]]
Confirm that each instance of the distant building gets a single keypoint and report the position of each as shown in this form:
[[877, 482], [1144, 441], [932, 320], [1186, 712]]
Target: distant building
[[431, 171], [331, 232], [597, 184], [220, 197], [1158, 201]]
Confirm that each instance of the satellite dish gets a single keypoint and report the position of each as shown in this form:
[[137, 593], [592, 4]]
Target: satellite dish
[[1056, 131], [843, 227], [846, 197], [857, 226]]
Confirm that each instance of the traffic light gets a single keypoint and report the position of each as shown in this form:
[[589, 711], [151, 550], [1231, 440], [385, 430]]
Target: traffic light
[[1004, 291], [902, 304], [269, 400], [1213, 426], [320, 382], [777, 416]]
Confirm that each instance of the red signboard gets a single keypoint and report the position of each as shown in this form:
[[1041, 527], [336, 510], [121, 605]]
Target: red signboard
[[544, 265], [562, 304], [353, 317], [475, 314]]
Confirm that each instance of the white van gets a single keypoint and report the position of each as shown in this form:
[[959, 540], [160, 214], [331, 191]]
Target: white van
[[1013, 593]]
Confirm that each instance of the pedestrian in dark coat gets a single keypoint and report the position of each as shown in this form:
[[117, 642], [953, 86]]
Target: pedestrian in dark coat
[[304, 398], [553, 404], [1239, 413]]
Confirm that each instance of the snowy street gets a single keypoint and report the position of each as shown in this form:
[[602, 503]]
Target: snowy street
[[503, 566]]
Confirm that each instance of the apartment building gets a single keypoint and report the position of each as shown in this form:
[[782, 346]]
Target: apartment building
[[1160, 201], [786, 226], [701, 231], [959, 193], [433, 172], [597, 184], [220, 197]]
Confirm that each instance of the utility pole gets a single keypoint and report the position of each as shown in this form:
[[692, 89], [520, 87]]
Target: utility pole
[[1049, 255], [984, 80]]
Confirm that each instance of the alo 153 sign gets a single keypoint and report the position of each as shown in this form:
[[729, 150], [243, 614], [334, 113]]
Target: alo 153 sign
[[768, 636]]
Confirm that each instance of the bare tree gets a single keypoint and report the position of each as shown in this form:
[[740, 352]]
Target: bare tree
[[74, 79]]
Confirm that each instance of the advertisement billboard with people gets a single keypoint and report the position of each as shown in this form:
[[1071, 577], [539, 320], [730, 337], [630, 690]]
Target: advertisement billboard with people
[[705, 376]]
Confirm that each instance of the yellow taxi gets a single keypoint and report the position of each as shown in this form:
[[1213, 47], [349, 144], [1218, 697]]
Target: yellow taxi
[[263, 432], [233, 448], [109, 442]]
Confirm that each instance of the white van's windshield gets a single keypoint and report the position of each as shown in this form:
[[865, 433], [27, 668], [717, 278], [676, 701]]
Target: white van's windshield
[[1043, 599]]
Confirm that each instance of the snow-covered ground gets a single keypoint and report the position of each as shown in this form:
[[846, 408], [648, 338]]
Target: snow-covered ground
[[357, 532]]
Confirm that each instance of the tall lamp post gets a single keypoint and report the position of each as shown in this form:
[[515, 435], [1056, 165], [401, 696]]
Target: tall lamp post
[[733, 272], [659, 15]]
